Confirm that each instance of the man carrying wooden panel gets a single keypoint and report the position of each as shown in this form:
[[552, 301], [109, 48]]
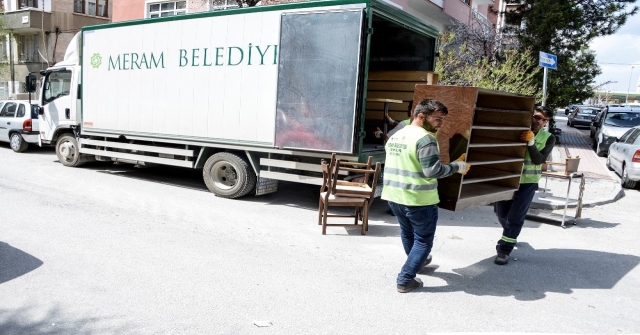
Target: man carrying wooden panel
[[412, 167], [511, 213]]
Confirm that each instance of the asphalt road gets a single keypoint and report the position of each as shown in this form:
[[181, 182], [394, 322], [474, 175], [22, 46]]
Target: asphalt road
[[109, 249]]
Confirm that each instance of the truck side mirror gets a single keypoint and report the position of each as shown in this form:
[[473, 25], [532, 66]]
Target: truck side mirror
[[41, 110], [30, 81]]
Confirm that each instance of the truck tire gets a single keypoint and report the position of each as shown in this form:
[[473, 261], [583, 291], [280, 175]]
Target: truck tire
[[228, 176], [68, 151], [17, 143]]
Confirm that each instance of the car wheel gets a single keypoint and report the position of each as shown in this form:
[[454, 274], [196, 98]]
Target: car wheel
[[17, 143], [599, 151], [228, 176], [608, 163], [68, 151], [624, 181]]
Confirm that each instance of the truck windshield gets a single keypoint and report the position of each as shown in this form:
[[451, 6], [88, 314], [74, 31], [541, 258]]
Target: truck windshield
[[56, 85], [623, 119]]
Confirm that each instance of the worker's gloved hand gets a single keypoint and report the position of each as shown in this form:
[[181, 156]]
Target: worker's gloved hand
[[463, 167], [462, 157], [527, 136], [390, 120], [377, 133]]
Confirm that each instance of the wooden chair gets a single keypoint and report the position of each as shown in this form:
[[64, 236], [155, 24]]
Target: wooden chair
[[347, 194]]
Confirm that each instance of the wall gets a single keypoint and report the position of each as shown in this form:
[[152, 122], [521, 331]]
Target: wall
[[125, 10]]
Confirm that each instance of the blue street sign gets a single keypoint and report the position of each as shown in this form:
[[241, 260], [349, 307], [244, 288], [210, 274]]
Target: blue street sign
[[548, 60]]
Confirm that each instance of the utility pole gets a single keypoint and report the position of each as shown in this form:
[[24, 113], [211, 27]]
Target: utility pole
[[626, 100]]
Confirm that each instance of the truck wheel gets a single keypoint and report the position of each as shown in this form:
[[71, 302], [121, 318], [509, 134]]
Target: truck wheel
[[68, 151], [228, 176], [17, 143]]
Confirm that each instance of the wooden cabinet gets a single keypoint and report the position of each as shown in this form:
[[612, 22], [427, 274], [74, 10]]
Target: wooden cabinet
[[486, 125]]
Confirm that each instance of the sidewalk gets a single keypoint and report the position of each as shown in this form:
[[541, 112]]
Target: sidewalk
[[601, 185]]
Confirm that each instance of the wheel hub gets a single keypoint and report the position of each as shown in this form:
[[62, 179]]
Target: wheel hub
[[67, 150], [14, 142], [224, 175]]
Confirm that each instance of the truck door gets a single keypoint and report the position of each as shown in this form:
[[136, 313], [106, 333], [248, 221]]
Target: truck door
[[56, 102], [318, 70]]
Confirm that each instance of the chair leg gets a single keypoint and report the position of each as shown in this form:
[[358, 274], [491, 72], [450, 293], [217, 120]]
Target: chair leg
[[356, 216], [324, 219], [365, 219], [320, 210]]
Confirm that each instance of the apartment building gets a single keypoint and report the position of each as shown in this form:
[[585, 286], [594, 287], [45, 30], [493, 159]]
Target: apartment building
[[37, 33], [439, 13]]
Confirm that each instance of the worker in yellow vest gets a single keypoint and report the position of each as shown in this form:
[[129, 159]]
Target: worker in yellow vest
[[511, 213], [412, 167]]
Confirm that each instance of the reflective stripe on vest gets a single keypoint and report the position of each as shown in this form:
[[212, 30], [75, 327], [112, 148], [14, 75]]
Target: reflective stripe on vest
[[531, 173], [404, 182]]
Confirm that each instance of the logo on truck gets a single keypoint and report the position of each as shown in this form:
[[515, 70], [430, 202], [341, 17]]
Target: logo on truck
[[96, 60]]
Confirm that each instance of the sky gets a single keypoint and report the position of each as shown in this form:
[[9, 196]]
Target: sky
[[616, 54]]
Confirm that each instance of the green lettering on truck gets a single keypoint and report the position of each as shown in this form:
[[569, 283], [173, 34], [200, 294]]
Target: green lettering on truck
[[183, 58], [114, 65], [241, 56]]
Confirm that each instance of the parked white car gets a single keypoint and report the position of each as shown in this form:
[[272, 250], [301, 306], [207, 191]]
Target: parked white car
[[624, 157], [19, 124]]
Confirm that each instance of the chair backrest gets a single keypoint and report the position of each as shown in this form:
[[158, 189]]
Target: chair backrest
[[364, 187]]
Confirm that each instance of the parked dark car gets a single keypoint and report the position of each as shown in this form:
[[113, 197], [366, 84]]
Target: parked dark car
[[611, 125], [569, 109], [582, 116]]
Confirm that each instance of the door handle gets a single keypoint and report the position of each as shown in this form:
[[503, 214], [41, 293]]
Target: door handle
[[67, 113]]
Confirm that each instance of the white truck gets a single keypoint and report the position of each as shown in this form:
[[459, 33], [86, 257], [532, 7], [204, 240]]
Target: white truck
[[250, 96]]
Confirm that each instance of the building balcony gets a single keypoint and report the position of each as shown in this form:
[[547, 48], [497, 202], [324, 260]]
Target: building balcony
[[483, 2], [26, 20]]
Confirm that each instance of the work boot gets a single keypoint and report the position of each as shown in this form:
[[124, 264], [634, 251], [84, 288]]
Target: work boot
[[501, 259], [414, 284], [427, 262]]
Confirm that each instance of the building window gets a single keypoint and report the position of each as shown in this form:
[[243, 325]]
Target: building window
[[223, 4], [4, 48], [92, 7], [27, 48], [468, 2], [171, 8], [27, 3]]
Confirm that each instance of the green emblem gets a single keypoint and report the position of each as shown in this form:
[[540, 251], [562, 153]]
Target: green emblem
[[96, 60]]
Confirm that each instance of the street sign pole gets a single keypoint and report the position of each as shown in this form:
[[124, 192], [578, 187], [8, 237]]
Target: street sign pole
[[547, 61], [544, 87]]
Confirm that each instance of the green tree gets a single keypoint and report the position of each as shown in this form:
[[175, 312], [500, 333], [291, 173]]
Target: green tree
[[469, 64], [475, 54], [565, 28]]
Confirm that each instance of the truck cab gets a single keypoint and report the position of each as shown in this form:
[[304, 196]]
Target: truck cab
[[59, 97]]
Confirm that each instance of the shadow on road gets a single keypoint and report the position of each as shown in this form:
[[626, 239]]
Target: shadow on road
[[30, 320], [15, 263], [537, 272]]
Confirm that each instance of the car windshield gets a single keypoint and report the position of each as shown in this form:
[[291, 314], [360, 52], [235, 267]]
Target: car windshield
[[589, 111], [623, 119]]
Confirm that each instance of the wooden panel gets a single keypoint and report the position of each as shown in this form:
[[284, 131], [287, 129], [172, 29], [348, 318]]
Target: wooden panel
[[501, 100], [486, 125]]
